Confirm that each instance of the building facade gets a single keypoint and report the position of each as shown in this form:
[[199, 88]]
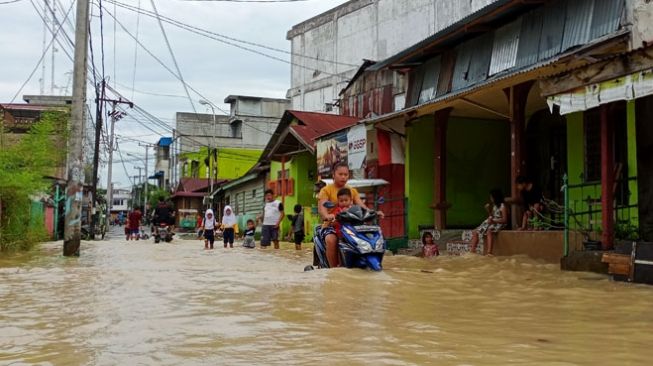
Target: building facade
[[329, 48]]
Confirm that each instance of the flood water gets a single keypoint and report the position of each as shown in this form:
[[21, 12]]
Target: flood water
[[175, 304]]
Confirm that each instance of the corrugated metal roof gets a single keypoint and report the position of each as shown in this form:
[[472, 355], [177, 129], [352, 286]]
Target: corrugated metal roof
[[529, 38], [430, 80], [504, 50], [323, 122], [607, 14], [473, 61], [457, 30], [553, 26], [578, 23]]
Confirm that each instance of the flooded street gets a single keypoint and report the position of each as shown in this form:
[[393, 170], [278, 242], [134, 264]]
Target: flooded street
[[175, 304]]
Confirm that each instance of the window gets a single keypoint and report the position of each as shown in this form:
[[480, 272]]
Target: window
[[253, 193], [237, 129], [283, 185], [117, 202], [194, 169]]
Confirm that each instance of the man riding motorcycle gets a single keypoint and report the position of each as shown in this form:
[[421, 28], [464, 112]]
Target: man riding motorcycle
[[162, 214]]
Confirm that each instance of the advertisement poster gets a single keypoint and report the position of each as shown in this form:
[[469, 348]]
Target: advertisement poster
[[357, 147], [331, 152]]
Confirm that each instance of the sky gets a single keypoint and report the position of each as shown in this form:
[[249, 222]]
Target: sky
[[213, 68]]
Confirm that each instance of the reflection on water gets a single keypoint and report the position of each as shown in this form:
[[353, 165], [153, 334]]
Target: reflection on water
[[174, 304]]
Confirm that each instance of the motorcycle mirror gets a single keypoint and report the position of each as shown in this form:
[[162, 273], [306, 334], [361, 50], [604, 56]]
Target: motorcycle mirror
[[329, 204]]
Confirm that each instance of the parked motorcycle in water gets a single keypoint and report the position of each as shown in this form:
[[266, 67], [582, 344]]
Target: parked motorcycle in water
[[362, 244], [162, 232]]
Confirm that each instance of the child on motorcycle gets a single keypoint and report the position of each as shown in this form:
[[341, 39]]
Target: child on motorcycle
[[345, 201]]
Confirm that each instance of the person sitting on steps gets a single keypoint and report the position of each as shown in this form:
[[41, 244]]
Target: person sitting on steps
[[497, 220]]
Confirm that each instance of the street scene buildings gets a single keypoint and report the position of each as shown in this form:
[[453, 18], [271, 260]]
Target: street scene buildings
[[516, 129]]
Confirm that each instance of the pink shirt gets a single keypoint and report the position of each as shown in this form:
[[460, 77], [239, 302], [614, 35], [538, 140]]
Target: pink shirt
[[431, 250]]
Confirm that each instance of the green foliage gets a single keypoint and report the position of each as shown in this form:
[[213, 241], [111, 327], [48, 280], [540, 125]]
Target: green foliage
[[23, 166], [155, 194], [624, 230]]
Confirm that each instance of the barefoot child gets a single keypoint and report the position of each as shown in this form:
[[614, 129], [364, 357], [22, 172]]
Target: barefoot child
[[229, 222], [298, 226], [497, 220], [249, 241], [208, 226]]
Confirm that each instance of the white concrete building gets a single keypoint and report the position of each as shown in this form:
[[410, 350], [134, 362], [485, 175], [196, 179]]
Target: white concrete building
[[328, 49], [120, 202]]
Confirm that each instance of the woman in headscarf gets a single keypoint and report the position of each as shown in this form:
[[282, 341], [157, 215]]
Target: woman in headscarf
[[229, 222], [209, 229]]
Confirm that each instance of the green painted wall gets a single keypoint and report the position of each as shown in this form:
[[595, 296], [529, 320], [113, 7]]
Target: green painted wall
[[478, 160], [303, 168], [232, 163], [419, 175], [235, 163], [579, 197]]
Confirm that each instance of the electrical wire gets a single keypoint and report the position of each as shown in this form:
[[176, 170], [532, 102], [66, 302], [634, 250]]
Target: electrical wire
[[220, 38], [45, 51], [138, 21], [172, 54]]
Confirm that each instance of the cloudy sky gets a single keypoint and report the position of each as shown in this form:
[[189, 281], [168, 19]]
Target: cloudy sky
[[213, 68]]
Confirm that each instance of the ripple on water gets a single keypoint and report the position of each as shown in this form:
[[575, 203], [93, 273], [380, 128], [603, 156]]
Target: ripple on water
[[138, 303]]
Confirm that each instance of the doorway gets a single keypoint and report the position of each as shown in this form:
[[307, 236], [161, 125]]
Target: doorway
[[644, 112]]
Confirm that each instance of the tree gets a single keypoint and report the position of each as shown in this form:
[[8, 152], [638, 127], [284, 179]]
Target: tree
[[23, 168]]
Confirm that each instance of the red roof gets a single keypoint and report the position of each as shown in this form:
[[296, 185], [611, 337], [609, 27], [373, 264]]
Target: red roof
[[190, 185], [312, 125]]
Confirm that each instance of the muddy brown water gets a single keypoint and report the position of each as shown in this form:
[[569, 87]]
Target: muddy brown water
[[176, 304]]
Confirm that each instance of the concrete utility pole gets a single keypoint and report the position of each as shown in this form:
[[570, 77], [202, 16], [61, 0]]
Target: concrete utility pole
[[96, 155], [147, 148], [115, 116], [75, 184], [211, 147]]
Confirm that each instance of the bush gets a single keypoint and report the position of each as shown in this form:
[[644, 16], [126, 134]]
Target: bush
[[23, 166]]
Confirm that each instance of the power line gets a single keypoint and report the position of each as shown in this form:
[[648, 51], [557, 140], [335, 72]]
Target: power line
[[226, 39], [138, 21], [45, 51], [9, 2], [172, 54]]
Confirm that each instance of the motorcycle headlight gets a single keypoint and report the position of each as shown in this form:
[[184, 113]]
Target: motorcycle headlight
[[363, 246], [380, 244]]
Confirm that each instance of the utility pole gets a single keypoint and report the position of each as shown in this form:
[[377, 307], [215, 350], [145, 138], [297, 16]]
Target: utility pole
[[138, 198], [115, 116], [96, 155], [147, 148], [75, 184], [54, 49]]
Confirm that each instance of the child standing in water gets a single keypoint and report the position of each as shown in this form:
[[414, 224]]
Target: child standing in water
[[229, 222], [430, 248], [298, 226], [208, 226], [249, 241]]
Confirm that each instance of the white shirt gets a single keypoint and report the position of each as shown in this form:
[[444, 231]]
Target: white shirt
[[209, 224], [271, 213]]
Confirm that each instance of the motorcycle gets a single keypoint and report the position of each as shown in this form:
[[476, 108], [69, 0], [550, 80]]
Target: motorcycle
[[162, 232], [362, 244]]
